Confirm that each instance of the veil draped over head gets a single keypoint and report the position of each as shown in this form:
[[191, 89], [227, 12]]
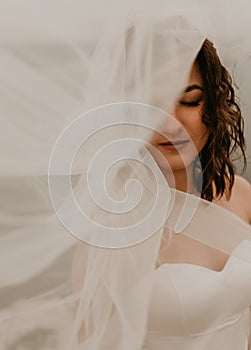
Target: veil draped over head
[[84, 206]]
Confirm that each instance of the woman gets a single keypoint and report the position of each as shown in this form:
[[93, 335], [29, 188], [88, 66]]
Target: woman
[[210, 115], [179, 316], [207, 110]]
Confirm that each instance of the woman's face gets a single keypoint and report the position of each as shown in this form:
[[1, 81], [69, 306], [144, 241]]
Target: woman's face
[[185, 132]]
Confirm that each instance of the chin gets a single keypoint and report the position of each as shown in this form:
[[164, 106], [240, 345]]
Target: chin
[[174, 163]]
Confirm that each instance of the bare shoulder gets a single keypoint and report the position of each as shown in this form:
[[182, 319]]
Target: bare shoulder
[[239, 202], [242, 189], [240, 199]]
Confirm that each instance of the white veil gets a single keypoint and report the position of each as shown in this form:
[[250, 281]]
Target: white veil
[[84, 87]]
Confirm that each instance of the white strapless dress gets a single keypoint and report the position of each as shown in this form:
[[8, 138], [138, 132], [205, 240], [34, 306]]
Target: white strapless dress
[[202, 309]]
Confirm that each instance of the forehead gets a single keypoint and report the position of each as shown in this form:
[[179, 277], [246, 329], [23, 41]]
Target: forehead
[[195, 75]]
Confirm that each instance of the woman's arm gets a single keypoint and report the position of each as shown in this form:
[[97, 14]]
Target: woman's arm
[[244, 189]]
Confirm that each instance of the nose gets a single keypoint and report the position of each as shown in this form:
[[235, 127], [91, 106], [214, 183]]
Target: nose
[[171, 126]]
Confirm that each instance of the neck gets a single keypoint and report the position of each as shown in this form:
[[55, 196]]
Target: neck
[[183, 180]]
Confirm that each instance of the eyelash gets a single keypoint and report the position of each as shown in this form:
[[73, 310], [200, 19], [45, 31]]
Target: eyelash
[[191, 104]]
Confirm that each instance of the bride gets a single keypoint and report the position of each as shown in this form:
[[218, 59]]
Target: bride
[[193, 302], [207, 110]]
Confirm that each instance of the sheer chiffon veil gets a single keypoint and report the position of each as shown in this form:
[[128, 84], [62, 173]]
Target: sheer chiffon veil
[[85, 208]]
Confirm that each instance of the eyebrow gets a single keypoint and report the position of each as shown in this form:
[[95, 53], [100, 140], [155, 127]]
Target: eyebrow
[[193, 87]]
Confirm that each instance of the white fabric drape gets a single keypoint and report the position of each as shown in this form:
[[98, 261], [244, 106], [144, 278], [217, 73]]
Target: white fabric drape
[[76, 77]]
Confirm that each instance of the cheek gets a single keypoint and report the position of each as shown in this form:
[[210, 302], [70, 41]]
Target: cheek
[[197, 130], [200, 136]]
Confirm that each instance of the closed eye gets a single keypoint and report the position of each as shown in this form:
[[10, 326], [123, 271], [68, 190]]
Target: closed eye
[[192, 104]]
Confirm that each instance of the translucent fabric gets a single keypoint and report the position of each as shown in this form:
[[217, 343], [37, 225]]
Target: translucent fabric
[[87, 215]]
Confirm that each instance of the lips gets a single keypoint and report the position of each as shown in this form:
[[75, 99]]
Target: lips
[[174, 143], [174, 146]]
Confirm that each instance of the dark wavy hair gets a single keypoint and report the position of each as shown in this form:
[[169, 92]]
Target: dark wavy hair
[[224, 121]]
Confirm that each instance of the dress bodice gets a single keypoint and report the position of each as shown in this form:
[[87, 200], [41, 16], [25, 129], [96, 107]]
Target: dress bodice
[[194, 307]]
